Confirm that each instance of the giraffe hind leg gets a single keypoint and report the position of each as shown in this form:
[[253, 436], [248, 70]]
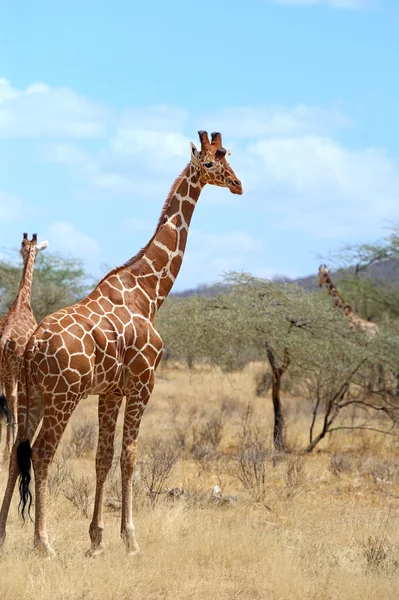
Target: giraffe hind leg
[[43, 451], [135, 405], [12, 399], [35, 416]]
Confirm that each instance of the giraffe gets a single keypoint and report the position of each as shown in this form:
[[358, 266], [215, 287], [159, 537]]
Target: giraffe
[[107, 344], [370, 328], [16, 327]]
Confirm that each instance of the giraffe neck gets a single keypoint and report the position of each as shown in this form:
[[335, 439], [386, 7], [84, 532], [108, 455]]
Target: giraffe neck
[[157, 265], [25, 287], [353, 318], [338, 300]]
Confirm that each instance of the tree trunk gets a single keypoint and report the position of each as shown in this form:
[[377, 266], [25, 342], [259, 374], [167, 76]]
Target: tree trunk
[[278, 371], [279, 425]]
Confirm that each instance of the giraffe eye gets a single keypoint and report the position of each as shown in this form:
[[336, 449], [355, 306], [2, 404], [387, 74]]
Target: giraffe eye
[[208, 165]]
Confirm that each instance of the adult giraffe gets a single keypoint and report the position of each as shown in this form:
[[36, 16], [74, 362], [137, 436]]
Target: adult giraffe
[[370, 328], [16, 327], [107, 344]]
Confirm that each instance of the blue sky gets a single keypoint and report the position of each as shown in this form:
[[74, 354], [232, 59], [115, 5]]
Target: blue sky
[[99, 101]]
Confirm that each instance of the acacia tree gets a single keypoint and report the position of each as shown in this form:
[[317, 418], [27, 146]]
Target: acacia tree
[[279, 320], [181, 325], [58, 281], [298, 333]]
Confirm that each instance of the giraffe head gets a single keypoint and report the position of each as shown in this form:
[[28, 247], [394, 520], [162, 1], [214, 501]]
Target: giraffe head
[[212, 165], [28, 246], [323, 274]]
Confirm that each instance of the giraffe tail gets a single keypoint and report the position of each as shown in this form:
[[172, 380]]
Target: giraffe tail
[[24, 452], [24, 461], [5, 412]]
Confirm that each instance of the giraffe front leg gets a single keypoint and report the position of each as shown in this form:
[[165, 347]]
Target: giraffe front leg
[[108, 410], [135, 405]]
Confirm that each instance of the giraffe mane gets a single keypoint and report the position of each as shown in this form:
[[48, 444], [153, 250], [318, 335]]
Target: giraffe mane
[[165, 207]]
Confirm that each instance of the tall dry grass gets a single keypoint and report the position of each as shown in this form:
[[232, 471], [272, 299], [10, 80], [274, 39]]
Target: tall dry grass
[[325, 527]]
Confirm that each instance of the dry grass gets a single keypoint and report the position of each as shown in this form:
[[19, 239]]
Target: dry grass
[[325, 527]]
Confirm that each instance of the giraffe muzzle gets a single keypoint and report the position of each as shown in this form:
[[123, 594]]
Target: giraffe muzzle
[[235, 186]]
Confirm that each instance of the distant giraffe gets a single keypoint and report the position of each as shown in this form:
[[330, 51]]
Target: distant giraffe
[[16, 327], [368, 327], [107, 344], [354, 320]]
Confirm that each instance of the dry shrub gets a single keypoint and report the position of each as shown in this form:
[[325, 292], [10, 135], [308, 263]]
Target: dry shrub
[[253, 457], [204, 456], [113, 498], [201, 434], [59, 476], [340, 462], [380, 469], [181, 425], [210, 432], [79, 491], [83, 439], [208, 435], [381, 554], [294, 475], [155, 468]]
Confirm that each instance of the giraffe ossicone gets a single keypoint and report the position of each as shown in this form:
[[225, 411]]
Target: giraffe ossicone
[[107, 344]]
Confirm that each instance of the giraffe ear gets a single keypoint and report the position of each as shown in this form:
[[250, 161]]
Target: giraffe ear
[[42, 246], [194, 155]]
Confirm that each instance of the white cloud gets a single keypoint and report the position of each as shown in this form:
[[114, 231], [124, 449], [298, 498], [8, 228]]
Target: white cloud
[[314, 184], [258, 121], [350, 4], [304, 179], [158, 150], [144, 145], [42, 111], [65, 237], [154, 118], [128, 163], [291, 166]]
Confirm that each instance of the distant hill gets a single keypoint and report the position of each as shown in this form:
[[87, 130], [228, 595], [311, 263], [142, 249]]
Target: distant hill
[[386, 271]]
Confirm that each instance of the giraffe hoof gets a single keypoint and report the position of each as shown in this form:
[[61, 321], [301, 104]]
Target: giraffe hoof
[[133, 550], [44, 549], [94, 552]]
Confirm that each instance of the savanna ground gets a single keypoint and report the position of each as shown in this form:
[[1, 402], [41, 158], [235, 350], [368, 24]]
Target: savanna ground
[[322, 526]]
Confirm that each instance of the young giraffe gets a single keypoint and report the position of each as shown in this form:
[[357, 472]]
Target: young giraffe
[[107, 344], [16, 327], [354, 320]]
